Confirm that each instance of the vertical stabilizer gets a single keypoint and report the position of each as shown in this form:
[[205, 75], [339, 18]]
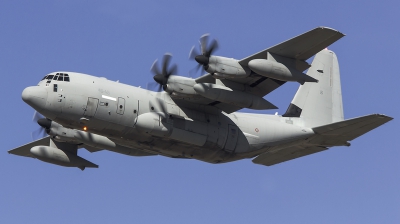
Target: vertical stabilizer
[[319, 103]]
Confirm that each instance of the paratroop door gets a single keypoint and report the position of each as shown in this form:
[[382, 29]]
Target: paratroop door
[[232, 138]]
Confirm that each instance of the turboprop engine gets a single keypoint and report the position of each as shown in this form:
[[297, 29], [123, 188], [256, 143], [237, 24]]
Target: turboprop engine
[[223, 67], [279, 71], [180, 85]]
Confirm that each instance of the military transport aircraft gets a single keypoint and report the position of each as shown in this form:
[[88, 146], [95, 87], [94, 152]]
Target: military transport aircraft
[[198, 118]]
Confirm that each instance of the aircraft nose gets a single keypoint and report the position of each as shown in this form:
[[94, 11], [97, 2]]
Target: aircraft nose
[[35, 96]]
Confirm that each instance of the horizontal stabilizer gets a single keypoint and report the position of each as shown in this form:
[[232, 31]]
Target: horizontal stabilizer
[[350, 129], [294, 152], [336, 134], [25, 149]]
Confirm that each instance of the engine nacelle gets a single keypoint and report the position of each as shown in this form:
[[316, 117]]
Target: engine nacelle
[[223, 67], [60, 157], [180, 85], [60, 132], [279, 71]]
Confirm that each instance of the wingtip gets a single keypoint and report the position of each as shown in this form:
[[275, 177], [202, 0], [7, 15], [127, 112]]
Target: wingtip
[[325, 27], [384, 116]]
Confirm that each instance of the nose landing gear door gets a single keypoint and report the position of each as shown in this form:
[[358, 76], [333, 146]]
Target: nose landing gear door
[[121, 106]]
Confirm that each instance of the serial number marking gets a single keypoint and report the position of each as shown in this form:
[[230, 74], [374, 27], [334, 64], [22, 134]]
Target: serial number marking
[[104, 91]]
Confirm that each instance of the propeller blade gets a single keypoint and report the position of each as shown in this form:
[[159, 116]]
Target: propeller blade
[[173, 70], [213, 47], [193, 53], [203, 43], [193, 72], [39, 133], [166, 60], [159, 88], [154, 68], [37, 116], [152, 85]]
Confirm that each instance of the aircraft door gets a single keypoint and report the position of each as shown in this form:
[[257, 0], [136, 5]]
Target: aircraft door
[[232, 138], [57, 101], [91, 107], [121, 106]]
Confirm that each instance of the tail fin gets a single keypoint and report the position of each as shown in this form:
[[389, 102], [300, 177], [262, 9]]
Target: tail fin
[[319, 103]]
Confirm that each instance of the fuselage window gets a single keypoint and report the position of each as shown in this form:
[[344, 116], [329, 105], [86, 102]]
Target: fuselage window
[[55, 87]]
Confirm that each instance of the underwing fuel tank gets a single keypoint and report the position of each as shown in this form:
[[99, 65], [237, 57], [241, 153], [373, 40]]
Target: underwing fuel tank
[[279, 71], [60, 157], [233, 97]]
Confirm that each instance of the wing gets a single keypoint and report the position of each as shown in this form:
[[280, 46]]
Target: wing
[[336, 134], [348, 130], [25, 149], [292, 52], [254, 84], [301, 47]]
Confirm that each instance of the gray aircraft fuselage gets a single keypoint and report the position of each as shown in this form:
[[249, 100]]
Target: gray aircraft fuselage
[[143, 122]]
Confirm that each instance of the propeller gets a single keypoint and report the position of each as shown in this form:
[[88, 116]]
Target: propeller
[[44, 125], [203, 56], [161, 76]]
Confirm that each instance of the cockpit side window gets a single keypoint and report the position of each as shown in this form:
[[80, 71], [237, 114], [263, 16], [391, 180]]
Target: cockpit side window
[[55, 77], [50, 77], [60, 78], [66, 78], [44, 78]]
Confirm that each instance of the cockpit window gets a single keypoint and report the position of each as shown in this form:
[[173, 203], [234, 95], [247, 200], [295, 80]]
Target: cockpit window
[[57, 77]]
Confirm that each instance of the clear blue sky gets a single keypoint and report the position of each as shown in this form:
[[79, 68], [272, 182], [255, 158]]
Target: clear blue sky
[[121, 39]]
